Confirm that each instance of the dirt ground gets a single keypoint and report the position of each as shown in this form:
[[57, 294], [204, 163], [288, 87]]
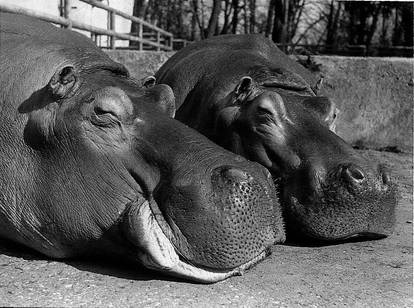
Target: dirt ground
[[360, 274]]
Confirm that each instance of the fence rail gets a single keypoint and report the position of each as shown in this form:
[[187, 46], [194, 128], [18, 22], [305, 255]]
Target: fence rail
[[163, 39]]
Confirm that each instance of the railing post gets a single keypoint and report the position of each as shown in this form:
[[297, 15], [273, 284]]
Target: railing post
[[140, 35], [170, 42], [111, 26], [67, 6], [94, 38], [158, 41], [61, 8]]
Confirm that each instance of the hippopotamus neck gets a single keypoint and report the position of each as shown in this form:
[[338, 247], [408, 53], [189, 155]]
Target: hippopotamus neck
[[17, 190]]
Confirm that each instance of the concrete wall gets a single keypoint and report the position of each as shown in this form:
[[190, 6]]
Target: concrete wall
[[375, 98], [374, 95], [140, 63]]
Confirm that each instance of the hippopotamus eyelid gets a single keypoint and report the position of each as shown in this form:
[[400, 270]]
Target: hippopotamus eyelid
[[101, 111], [104, 118], [264, 110]]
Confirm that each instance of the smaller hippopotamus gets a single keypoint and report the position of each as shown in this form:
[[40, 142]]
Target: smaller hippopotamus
[[243, 93]]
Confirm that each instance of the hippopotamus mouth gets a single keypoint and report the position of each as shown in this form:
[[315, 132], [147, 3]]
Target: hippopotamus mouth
[[148, 231]]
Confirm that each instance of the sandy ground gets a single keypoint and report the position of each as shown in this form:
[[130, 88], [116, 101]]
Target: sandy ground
[[360, 274]]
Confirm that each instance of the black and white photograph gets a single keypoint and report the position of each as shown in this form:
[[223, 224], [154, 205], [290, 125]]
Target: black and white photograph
[[206, 153]]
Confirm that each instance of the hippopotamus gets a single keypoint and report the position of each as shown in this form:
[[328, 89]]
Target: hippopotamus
[[93, 164], [246, 95]]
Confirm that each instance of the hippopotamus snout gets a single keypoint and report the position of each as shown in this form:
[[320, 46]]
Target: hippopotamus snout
[[245, 207], [346, 200], [228, 220]]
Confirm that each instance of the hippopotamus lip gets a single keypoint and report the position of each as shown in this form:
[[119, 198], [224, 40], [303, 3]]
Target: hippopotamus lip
[[155, 251], [360, 236], [365, 235], [352, 237]]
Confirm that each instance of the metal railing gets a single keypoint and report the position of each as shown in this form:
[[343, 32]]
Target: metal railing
[[163, 39]]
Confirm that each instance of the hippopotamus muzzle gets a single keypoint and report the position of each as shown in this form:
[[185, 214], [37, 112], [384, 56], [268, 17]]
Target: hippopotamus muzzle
[[204, 232], [207, 215], [343, 202]]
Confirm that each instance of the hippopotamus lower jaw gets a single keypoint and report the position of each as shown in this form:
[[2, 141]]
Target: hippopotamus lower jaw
[[142, 226]]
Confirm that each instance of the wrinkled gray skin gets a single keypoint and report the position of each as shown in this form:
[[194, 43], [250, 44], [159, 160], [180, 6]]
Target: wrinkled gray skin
[[91, 163], [243, 93]]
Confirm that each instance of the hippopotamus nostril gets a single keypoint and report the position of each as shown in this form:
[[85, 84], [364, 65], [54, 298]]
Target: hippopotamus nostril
[[353, 174], [234, 174], [385, 177], [384, 173]]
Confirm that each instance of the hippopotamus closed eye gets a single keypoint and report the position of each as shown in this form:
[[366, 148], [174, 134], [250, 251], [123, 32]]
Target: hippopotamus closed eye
[[92, 163], [243, 93]]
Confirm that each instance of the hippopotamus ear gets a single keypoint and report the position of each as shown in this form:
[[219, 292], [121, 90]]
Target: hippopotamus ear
[[63, 83], [245, 85], [244, 89], [148, 82], [323, 108]]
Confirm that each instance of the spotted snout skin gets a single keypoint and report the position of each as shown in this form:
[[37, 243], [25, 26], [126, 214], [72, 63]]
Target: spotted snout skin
[[346, 201], [228, 220]]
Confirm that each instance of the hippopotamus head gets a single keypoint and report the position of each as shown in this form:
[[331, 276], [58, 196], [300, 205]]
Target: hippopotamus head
[[328, 191], [114, 173]]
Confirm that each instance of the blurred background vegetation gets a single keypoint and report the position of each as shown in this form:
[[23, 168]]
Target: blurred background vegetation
[[298, 26]]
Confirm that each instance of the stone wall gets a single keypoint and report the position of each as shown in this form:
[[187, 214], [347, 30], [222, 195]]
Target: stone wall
[[140, 63], [375, 98], [374, 95]]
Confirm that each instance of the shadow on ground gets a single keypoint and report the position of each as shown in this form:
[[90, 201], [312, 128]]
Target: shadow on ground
[[102, 266]]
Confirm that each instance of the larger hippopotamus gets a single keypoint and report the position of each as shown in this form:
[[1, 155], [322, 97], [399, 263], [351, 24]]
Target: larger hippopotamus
[[92, 163], [246, 95]]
